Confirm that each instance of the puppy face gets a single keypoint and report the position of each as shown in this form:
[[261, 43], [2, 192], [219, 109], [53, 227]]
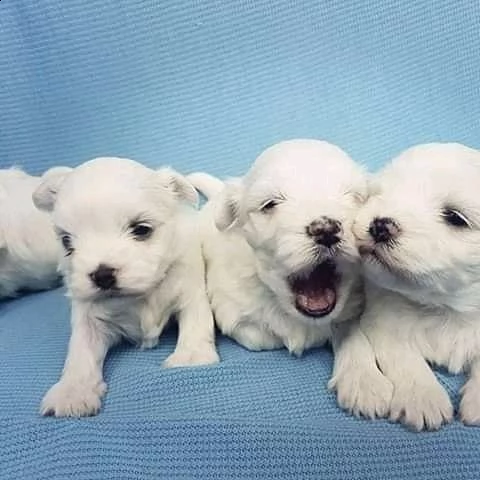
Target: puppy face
[[296, 208], [419, 232], [117, 222]]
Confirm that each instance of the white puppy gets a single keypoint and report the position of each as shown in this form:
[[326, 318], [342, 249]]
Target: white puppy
[[282, 266], [132, 260], [29, 251], [419, 235]]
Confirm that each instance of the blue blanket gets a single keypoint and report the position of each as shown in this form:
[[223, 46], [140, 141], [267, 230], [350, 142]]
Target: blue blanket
[[207, 85]]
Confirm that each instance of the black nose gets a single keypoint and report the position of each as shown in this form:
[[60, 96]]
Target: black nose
[[325, 231], [104, 277], [383, 229]]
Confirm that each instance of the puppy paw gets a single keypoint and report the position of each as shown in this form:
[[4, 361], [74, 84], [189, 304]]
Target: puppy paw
[[190, 358], [421, 407], [66, 399], [470, 404], [364, 394]]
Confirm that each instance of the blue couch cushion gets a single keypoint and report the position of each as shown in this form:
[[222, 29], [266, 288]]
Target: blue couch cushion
[[255, 415]]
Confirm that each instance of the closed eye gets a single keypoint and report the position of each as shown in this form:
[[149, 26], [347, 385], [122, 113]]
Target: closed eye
[[455, 218], [270, 204]]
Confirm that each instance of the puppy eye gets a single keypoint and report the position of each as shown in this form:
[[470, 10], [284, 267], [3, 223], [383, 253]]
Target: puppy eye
[[269, 206], [455, 218], [141, 230], [67, 244]]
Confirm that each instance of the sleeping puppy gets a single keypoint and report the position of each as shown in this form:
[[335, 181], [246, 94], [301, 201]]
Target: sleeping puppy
[[419, 236], [282, 266], [29, 252], [132, 260]]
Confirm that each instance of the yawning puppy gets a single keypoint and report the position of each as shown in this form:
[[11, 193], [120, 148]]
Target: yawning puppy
[[29, 252], [419, 235], [282, 265], [132, 260]]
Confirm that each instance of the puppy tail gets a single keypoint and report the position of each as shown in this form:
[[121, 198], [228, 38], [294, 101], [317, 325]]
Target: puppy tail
[[206, 184]]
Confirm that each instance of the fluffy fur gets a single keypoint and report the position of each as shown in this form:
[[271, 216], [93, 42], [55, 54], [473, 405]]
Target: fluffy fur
[[132, 260], [419, 234], [282, 267], [29, 252]]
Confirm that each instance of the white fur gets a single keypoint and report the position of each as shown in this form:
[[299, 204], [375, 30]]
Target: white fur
[[250, 254], [423, 298], [96, 204], [29, 251]]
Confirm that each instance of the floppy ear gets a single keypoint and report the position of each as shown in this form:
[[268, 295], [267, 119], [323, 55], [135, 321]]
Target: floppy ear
[[46, 193], [227, 207], [178, 184]]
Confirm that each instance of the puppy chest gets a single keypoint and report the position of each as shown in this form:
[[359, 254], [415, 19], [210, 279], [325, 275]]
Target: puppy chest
[[155, 314], [124, 325]]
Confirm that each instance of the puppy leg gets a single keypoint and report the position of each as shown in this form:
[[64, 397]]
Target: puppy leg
[[419, 401], [470, 403], [232, 322], [81, 387], [361, 388], [196, 337]]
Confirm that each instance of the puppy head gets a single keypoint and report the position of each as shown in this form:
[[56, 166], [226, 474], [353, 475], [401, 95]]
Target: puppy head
[[118, 223], [296, 208], [419, 232]]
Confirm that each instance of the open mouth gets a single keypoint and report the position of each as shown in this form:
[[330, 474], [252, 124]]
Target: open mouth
[[316, 291]]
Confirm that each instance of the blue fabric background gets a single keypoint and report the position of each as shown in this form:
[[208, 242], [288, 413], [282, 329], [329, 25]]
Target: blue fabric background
[[207, 85]]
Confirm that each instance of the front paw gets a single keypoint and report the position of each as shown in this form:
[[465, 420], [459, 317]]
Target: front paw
[[366, 393], [70, 399], [421, 406], [470, 404], [192, 357]]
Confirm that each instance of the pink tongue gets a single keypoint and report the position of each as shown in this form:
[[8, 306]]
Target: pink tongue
[[317, 301]]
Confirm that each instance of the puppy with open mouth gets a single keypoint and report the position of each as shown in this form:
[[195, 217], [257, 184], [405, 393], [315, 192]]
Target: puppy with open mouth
[[132, 260], [282, 266], [419, 237]]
